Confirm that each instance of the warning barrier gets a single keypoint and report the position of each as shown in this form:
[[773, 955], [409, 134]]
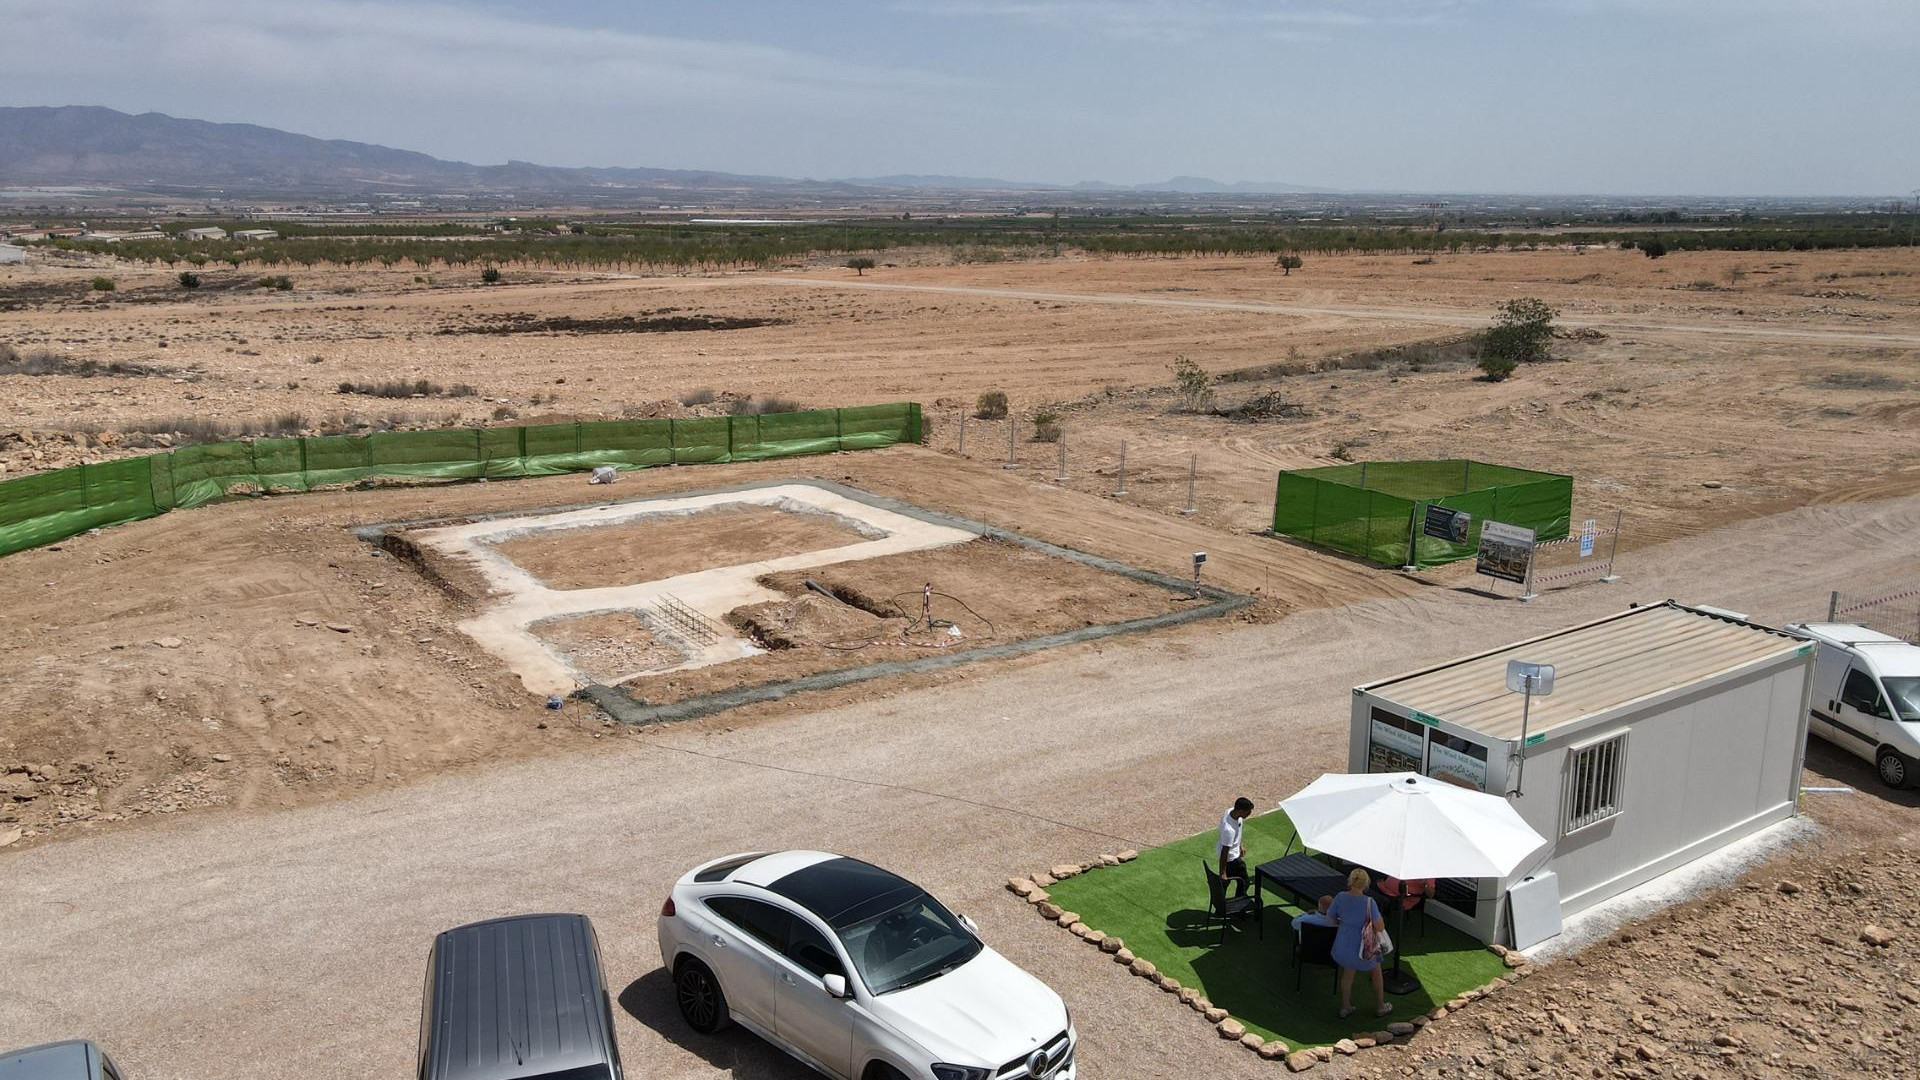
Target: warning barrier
[[1585, 556], [51, 506]]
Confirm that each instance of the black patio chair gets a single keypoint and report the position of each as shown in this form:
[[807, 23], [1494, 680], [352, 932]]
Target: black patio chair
[[1313, 945], [1225, 909]]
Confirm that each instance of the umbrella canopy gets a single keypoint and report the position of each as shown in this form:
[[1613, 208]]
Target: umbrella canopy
[[1407, 826]]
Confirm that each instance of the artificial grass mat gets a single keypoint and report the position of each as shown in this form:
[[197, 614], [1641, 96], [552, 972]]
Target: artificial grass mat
[[1158, 905]]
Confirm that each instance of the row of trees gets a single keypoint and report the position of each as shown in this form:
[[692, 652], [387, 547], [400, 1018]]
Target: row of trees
[[695, 246]]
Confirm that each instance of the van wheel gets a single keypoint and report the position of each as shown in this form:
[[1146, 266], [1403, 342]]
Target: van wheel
[[1894, 767], [702, 1003], [880, 1070]]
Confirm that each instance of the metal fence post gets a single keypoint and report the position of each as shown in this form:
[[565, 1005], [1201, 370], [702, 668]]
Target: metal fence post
[[1833, 606], [1122, 488], [963, 433], [1193, 470], [1526, 587], [1062, 476], [1012, 424], [1613, 549], [1413, 535]]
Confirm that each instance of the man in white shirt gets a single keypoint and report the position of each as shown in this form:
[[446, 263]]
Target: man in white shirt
[[1233, 866]]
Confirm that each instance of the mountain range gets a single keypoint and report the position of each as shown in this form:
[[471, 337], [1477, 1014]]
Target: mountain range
[[92, 145]]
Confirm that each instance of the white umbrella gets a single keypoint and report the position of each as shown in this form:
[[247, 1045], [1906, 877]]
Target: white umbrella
[[1407, 826]]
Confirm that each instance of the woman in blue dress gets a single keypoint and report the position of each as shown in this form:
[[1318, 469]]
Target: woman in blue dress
[[1353, 912]]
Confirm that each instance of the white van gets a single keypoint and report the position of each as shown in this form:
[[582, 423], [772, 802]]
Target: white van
[[1866, 697]]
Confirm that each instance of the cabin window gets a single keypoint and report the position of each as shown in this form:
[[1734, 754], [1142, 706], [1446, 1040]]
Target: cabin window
[[1593, 783]]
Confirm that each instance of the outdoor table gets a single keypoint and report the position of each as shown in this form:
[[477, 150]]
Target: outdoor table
[[1302, 876]]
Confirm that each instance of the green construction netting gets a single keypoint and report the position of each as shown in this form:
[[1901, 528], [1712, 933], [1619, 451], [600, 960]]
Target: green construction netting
[[1372, 509], [50, 506]]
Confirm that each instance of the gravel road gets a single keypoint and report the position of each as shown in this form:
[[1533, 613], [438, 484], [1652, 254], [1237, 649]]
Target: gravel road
[[283, 944]]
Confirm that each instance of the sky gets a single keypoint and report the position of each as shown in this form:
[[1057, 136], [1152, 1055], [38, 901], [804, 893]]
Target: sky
[[1652, 97]]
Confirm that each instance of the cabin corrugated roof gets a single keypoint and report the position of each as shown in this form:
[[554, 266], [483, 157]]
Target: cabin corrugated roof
[[1598, 667]]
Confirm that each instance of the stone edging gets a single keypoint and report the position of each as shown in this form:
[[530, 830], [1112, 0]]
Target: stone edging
[[1033, 890]]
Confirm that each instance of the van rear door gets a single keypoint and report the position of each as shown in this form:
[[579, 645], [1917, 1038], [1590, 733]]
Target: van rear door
[[1829, 670]]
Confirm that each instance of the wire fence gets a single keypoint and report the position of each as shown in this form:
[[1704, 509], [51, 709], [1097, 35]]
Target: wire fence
[[1893, 608]]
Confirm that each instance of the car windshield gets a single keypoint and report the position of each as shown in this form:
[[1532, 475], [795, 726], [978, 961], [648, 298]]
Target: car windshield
[[909, 944], [1905, 692]]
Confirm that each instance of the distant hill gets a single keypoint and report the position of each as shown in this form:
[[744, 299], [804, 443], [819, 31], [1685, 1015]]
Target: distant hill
[[83, 144], [87, 144], [948, 183]]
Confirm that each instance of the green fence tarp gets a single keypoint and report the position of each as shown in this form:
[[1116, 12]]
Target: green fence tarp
[[50, 506], [1373, 509]]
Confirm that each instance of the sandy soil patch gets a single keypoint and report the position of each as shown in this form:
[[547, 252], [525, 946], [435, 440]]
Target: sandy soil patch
[[669, 545]]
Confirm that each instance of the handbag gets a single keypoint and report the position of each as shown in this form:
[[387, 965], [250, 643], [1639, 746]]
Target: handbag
[[1374, 943]]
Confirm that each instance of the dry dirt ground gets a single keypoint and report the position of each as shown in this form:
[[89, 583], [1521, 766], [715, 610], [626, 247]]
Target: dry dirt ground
[[288, 943], [254, 656]]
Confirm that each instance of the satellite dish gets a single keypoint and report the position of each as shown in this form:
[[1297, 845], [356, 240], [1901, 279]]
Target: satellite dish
[[1525, 678]]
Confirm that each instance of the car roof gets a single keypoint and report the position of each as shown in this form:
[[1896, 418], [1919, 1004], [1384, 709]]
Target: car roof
[[843, 891], [69, 1060], [517, 996], [768, 869]]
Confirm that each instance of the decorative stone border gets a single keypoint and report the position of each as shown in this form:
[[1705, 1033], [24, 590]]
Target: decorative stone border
[[1033, 890]]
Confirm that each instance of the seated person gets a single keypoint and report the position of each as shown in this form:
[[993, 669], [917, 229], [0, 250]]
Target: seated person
[[1314, 918]]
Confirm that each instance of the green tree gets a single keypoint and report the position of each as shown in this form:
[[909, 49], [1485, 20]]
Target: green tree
[[1193, 384], [189, 279], [1653, 248], [1522, 330], [1288, 263], [860, 266], [491, 275]]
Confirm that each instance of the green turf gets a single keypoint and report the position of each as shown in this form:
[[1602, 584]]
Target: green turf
[[1158, 904]]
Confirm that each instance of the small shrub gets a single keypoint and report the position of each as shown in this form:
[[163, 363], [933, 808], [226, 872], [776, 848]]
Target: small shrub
[[1653, 248], [505, 412], [702, 396], [1342, 451], [491, 275], [753, 406], [1290, 262], [1497, 366], [277, 281], [992, 405], [189, 280], [860, 266], [1193, 384], [399, 388], [102, 284], [1046, 426], [463, 390]]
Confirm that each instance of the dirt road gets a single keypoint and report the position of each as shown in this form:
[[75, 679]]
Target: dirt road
[[1476, 319], [290, 944]]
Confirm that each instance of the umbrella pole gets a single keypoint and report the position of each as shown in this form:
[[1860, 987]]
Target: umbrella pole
[[1398, 981]]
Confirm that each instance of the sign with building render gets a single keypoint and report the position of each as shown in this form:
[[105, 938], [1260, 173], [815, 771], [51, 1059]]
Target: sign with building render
[[1505, 551]]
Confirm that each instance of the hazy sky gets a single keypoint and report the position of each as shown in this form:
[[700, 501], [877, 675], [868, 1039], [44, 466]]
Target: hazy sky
[[1587, 96]]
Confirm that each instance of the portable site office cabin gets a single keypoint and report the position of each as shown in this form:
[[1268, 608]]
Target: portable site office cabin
[[1671, 732]]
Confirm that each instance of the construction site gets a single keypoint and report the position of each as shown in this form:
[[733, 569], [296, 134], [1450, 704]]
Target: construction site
[[432, 674]]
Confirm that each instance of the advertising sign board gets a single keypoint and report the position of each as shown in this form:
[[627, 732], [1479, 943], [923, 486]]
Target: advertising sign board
[[1588, 531], [1446, 523], [1391, 747], [1505, 551]]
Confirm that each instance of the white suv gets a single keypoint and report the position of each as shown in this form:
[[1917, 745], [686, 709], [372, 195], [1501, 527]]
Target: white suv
[[856, 972]]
